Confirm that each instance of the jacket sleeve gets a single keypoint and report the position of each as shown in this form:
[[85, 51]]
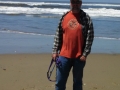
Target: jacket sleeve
[[57, 38], [89, 37]]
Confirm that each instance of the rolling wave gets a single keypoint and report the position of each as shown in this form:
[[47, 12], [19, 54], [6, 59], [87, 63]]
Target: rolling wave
[[49, 3], [30, 4], [108, 5], [32, 11], [38, 8], [95, 12]]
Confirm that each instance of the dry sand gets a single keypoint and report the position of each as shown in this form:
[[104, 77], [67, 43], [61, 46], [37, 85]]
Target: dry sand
[[28, 72]]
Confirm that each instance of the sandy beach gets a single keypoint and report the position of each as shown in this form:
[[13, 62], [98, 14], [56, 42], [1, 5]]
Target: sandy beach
[[28, 72]]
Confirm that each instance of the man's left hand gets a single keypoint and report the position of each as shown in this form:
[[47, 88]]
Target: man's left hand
[[82, 58]]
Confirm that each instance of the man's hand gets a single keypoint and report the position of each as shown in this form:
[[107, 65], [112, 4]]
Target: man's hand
[[82, 58], [54, 56]]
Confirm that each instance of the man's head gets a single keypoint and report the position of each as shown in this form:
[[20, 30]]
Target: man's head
[[75, 5]]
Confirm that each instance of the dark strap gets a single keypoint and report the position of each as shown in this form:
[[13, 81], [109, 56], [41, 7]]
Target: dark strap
[[57, 63], [49, 73]]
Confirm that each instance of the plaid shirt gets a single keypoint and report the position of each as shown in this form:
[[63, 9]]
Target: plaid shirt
[[87, 30]]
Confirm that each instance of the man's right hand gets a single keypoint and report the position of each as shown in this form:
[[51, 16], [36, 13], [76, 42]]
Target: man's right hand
[[54, 56]]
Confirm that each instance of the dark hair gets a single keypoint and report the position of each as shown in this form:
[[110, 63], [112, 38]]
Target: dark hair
[[77, 1]]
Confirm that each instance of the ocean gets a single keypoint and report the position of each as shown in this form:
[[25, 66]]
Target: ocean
[[28, 26]]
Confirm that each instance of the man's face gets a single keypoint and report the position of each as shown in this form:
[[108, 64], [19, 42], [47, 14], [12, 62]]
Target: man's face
[[75, 5]]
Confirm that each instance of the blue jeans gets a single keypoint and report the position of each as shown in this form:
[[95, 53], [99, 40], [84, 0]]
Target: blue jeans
[[63, 73]]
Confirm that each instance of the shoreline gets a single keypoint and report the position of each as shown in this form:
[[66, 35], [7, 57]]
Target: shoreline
[[28, 72], [15, 43], [51, 53]]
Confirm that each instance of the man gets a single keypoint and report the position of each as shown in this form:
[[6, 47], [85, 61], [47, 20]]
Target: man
[[72, 43]]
